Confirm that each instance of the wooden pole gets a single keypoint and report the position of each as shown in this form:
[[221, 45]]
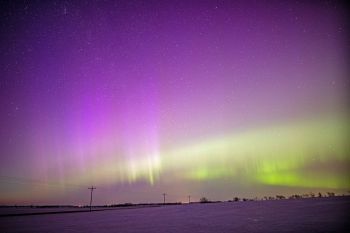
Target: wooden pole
[[164, 198], [92, 189]]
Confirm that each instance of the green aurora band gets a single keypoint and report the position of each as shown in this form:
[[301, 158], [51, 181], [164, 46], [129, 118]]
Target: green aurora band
[[297, 154], [293, 155]]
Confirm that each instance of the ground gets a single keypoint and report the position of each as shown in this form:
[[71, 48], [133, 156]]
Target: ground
[[302, 215]]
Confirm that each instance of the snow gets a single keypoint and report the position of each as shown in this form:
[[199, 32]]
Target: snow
[[38, 210], [304, 215], [27, 210]]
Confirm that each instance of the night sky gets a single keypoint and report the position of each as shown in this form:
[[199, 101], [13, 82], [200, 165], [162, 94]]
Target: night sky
[[203, 98]]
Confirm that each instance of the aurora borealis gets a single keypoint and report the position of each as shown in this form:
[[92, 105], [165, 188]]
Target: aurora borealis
[[208, 98]]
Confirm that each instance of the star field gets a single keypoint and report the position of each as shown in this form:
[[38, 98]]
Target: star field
[[185, 97]]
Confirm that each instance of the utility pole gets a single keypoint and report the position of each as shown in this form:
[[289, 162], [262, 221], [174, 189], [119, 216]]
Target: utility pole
[[92, 189], [164, 197], [189, 199]]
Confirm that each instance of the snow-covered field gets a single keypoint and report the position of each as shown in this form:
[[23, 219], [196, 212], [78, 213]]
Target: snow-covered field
[[27, 210], [303, 215], [15, 211]]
